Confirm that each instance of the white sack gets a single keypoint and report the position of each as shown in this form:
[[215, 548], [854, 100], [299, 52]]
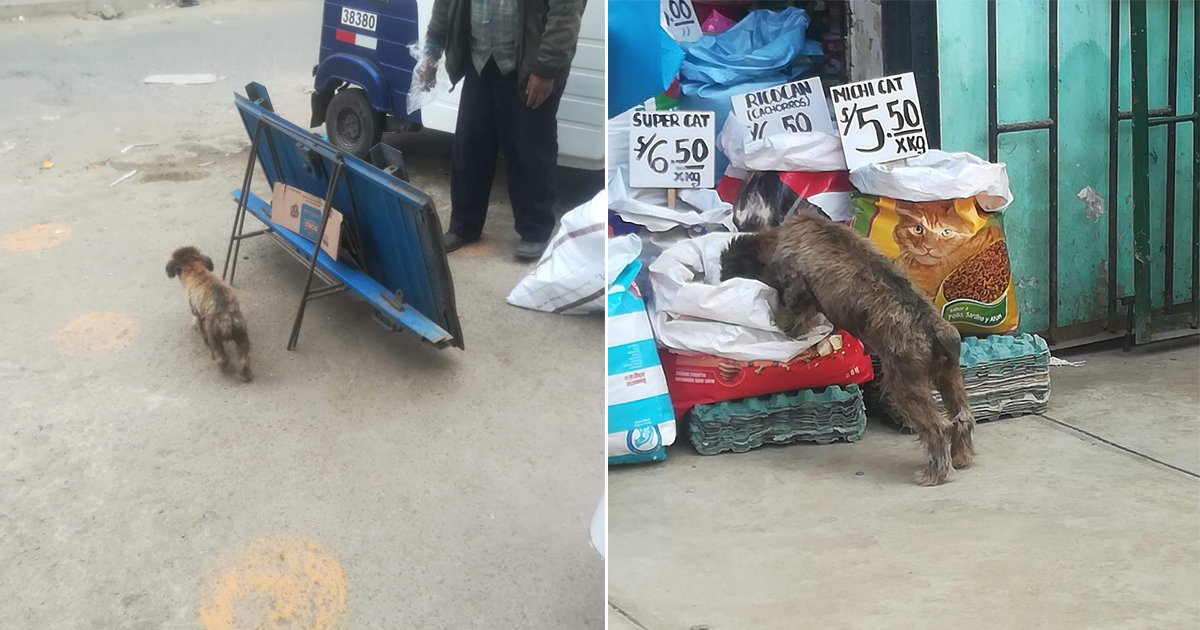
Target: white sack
[[693, 311], [936, 176], [811, 151], [570, 277]]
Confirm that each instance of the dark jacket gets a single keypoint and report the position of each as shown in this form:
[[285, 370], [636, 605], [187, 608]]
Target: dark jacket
[[551, 30]]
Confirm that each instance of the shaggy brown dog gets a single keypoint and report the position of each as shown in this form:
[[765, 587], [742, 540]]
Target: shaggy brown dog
[[819, 266], [214, 305]]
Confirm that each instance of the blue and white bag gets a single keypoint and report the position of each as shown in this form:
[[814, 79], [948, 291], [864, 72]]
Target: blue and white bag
[[640, 418]]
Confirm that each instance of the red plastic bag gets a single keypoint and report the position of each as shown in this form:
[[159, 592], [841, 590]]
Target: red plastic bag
[[701, 378]]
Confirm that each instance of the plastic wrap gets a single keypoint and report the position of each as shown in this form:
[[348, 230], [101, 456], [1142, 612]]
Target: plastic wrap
[[693, 311], [938, 176], [421, 94]]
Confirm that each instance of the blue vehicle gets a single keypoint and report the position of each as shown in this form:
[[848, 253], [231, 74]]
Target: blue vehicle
[[364, 72]]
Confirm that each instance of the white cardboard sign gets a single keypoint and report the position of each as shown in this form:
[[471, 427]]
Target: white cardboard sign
[[679, 20], [797, 107], [879, 120], [672, 149]]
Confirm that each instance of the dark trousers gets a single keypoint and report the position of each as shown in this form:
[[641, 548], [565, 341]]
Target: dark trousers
[[492, 116]]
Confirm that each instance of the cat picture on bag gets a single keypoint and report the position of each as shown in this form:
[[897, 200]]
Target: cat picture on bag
[[934, 238]]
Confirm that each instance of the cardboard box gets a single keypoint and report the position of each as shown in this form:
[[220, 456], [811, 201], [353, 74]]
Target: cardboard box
[[300, 212]]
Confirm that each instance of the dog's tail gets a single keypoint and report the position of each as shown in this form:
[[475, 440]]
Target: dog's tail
[[242, 340], [741, 258]]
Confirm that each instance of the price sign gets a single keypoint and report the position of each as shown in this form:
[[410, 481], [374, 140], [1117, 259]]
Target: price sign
[[679, 20], [797, 107], [672, 149], [879, 120]]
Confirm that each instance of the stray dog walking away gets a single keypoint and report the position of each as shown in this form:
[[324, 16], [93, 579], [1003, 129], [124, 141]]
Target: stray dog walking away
[[215, 306], [819, 266]]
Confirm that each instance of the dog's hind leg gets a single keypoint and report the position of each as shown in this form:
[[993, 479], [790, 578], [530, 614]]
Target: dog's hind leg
[[242, 340], [216, 344], [906, 386], [203, 333], [948, 378]]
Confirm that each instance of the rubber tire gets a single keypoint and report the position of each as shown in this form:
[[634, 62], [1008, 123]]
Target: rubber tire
[[352, 124]]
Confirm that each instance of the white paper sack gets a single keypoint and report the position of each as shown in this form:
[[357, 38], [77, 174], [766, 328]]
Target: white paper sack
[[693, 311], [936, 176], [700, 209], [812, 151], [570, 277]]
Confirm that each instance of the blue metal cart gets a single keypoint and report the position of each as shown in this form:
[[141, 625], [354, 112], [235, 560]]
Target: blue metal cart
[[391, 251]]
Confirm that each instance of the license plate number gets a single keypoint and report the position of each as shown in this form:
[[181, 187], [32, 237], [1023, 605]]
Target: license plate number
[[359, 19]]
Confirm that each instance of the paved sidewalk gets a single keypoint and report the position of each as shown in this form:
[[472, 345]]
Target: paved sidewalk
[[1050, 529]]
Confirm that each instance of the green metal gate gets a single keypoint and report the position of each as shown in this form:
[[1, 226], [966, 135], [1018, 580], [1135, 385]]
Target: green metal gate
[[1105, 230]]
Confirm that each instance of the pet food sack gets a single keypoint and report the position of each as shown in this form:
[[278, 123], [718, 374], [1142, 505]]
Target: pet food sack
[[700, 379], [640, 419], [953, 252]]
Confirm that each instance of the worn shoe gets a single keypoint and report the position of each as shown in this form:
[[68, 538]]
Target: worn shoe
[[531, 250], [454, 241]]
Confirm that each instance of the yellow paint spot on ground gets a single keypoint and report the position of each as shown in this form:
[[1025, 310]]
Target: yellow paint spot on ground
[[276, 583], [99, 332], [35, 237]]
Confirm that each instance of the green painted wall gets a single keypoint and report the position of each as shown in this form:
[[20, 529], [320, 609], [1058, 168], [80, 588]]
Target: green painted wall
[[1022, 79]]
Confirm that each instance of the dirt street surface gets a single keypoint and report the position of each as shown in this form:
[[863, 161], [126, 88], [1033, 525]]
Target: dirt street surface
[[364, 480]]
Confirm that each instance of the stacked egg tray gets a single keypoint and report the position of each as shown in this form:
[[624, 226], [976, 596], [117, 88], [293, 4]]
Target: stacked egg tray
[[1005, 376], [823, 416]]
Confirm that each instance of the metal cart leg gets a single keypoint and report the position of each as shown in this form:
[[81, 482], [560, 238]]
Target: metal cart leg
[[239, 217], [312, 264]]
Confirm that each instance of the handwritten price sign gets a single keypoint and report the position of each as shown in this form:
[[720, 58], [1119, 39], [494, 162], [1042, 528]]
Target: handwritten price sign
[[797, 107], [672, 149], [679, 20], [879, 120]]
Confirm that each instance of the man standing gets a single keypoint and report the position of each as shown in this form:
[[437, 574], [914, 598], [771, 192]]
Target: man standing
[[513, 57]]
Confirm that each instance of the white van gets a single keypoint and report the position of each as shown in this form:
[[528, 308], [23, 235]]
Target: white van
[[581, 112]]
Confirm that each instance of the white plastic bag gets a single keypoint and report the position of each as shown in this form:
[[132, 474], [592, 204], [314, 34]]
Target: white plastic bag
[[618, 143], [937, 176], [622, 250], [694, 311], [810, 151], [698, 209], [570, 277], [418, 95]]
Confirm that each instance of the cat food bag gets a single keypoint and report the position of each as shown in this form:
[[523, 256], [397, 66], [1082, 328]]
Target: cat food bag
[[700, 379], [954, 253], [640, 419]]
